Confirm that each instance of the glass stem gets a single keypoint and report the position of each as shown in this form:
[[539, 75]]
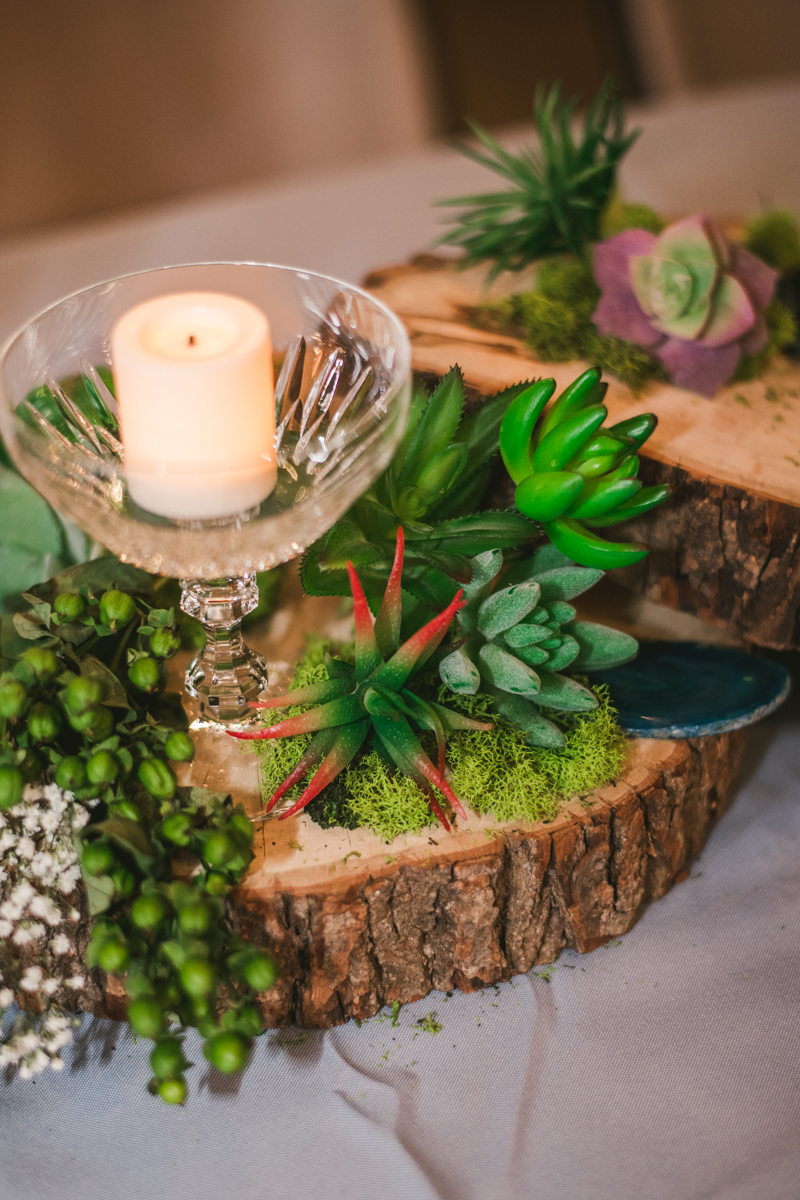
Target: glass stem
[[227, 674]]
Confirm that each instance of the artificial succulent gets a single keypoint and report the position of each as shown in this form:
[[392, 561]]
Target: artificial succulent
[[558, 190], [431, 489], [571, 474], [371, 700], [517, 638], [689, 296]]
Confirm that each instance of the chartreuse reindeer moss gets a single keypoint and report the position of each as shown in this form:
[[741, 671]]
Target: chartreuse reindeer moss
[[495, 771]]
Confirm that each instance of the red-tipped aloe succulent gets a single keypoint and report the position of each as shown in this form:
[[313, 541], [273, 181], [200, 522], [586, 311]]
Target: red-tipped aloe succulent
[[371, 699]]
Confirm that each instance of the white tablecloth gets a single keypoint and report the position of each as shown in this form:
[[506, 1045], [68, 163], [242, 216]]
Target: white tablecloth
[[662, 1066]]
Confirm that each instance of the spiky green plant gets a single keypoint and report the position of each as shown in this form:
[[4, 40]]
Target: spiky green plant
[[570, 473], [558, 190], [371, 700], [516, 640], [431, 489]]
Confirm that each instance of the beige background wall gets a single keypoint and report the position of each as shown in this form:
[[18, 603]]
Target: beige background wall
[[106, 104]]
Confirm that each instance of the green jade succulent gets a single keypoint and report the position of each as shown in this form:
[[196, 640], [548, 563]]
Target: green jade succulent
[[518, 638], [372, 699], [570, 473], [431, 489]]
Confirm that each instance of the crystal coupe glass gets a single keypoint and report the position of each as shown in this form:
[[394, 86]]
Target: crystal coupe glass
[[341, 402]]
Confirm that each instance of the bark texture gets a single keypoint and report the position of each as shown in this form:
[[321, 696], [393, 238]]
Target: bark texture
[[471, 919], [729, 557]]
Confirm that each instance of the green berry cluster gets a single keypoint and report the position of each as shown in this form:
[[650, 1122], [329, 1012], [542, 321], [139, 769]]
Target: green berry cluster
[[83, 703]]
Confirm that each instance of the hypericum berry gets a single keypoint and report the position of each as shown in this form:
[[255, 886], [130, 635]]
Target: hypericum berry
[[69, 606], [219, 848], [157, 777], [128, 809], [43, 663], [198, 976], [173, 1091], [248, 1018], [216, 884], [11, 785], [177, 828], [124, 882], [228, 1051], [149, 910], [164, 643], [44, 722], [116, 608], [114, 956], [102, 767], [13, 698], [260, 971], [146, 1016], [98, 858], [31, 766], [101, 726], [195, 919], [166, 1058], [145, 673], [179, 747], [83, 694]]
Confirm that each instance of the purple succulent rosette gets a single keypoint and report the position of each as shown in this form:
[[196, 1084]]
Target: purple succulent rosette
[[689, 296]]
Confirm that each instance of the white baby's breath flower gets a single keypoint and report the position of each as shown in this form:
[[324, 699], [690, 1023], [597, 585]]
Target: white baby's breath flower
[[50, 821], [6, 997], [31, 979], [80, 817], [33, 793], [23, 893], [43, 906], [26, 848], [39, 1062], [74, 915], [61, 944], [30, 822], [22, 936], [76, 982], [50, 986], [6, 929], [7, 840], [57, 1063], [25, 1071]]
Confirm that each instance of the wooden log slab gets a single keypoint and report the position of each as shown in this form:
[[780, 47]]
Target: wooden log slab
[[727, 546], [358, 924]]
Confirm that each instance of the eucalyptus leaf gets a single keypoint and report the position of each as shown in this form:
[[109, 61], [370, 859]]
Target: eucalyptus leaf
[[131, 837], [115, 695]]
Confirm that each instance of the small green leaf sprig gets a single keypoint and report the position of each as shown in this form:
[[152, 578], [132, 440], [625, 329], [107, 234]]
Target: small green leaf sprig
[[516, 639]]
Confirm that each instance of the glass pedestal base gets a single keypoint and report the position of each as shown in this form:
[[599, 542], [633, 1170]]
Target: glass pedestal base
[[227, 675]]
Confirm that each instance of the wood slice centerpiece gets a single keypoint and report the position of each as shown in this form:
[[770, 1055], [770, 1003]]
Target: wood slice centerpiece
[[726, 547]]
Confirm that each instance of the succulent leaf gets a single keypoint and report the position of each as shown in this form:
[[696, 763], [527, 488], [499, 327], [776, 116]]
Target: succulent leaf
[[507, 607], [506, 672], [601, 647], [561, 692], [459, 672], [539, 730]]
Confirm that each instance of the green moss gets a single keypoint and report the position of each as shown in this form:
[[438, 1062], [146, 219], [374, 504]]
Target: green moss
[[775, 237], [495, 771], [499, 772], [555, 321], [782, 330], [618, 217], [384, 800]]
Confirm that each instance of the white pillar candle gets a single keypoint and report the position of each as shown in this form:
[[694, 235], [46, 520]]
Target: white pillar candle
[[193, 373]]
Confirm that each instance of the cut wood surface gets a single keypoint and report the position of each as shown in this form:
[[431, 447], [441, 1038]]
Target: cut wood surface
[[358, 923], [727, 546]]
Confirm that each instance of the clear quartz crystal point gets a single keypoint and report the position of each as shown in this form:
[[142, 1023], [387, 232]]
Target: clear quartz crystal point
[[227, 674]]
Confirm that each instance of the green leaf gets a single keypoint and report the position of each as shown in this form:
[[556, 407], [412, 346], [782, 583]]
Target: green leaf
[[319, 582], [436, 428], [115, 695], [480, 433], [506, 672], [567, 582], [131, 837], [440, 473], [507, 607], [564, 654], [32, 631], [346, 541], [459, 673], [560, 692], [601, 647], [99, 892], [525, 635], [98, 576], [524, 713]]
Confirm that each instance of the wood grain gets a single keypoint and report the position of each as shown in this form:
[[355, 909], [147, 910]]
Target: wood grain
[[727, 547]]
